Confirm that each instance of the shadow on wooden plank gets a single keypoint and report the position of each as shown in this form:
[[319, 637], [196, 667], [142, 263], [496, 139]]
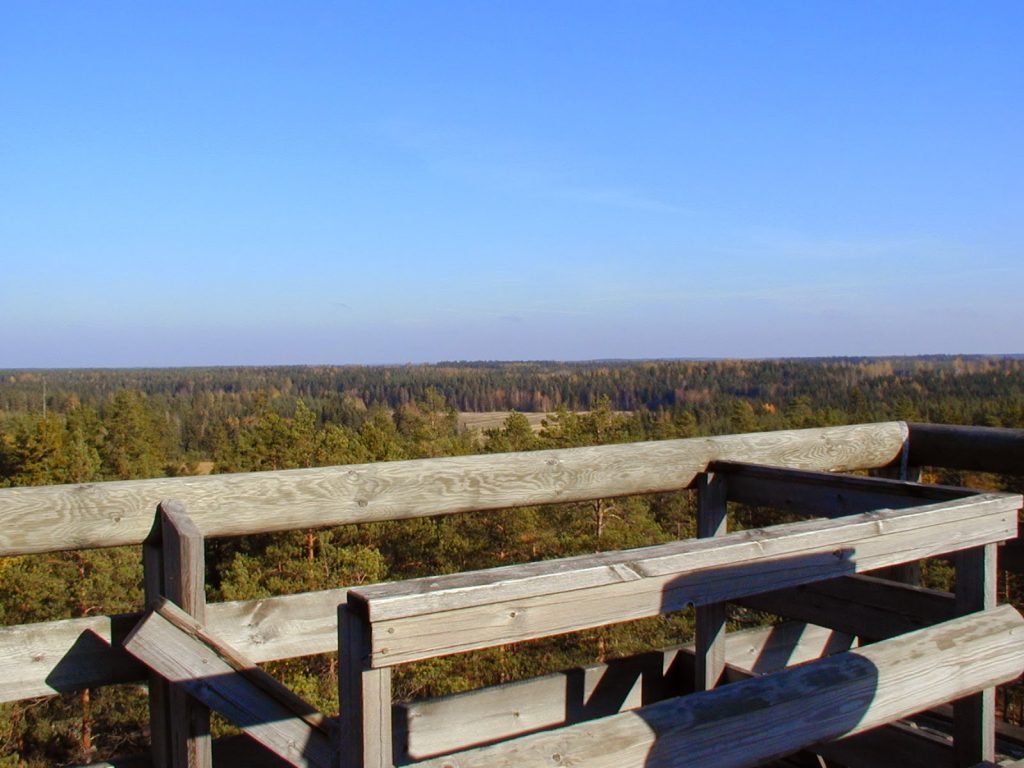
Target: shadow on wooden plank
[[177, 648]]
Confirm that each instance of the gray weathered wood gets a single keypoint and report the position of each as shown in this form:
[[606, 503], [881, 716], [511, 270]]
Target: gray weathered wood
[[985, 449], [365, 696], [174, 567], [447, 724], [755, 720], [53, 657], [425, 595], [908, 573], [171, 643], [60, 656], [435, 727], [421, 618], [974, 720], [712, 521], [866, 606], [159, 690], [823, 494], [106, 514], [184, 572]]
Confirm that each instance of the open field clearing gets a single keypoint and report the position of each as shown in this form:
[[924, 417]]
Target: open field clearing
[[494, 420]]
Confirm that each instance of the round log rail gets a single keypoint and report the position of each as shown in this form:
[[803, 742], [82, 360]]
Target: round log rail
[[982, 449], [53, 518]]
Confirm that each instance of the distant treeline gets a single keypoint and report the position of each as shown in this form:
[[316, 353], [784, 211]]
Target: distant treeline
[[60, 426]]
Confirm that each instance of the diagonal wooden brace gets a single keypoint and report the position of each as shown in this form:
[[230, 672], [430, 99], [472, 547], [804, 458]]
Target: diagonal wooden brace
[[174, 567], [180, 650]]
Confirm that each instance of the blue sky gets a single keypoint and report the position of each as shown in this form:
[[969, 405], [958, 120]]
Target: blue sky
[[342, 182]]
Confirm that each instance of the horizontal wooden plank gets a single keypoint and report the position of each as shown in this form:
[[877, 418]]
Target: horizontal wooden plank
[[449, 614], [451, 723], [392, 600], [60, 656], [170, 643], [106, 514], [868, 607], [983, 449], [762, 718], [824, 494]]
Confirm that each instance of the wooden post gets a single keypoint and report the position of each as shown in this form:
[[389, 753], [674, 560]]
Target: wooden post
[[974, 718], [174, 567], [710, 630], [365, 697]]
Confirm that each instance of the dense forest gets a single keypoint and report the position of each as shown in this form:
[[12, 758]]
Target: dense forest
[[72, 426]]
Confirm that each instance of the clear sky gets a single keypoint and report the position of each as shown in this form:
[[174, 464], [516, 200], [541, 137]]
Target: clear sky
[[362, 182]]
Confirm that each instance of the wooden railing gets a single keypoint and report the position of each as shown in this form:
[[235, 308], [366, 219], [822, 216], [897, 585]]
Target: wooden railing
[[52, 657]]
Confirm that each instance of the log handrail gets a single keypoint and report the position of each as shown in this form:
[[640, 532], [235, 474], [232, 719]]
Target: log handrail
[[60, 517]]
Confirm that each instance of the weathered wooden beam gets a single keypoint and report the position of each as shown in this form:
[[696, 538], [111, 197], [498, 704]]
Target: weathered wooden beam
[[824, 494], [712, 521], [983, 449], [461, 721], [51, 518], [174, 567], [433, 727], [866, 606], [974, 718], [365, 696], [421, 618], [61, 656], [755, 720], [171, 643]]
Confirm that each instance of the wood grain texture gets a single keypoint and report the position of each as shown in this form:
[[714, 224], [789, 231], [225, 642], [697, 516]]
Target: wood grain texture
[[755, 720], [168, 641], [106, 514], [411, 597], [60, 656], [710, 630], [53, 657], [421, 618], [452, 723], [183, 571], [365, 738]]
